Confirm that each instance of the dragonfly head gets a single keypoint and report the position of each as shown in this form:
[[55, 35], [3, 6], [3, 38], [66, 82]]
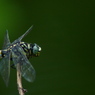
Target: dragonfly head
[[36, 50]]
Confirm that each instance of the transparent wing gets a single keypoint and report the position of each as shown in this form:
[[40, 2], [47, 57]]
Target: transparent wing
[[19, 57], [5, 68], [6, 40], [21, 37], [5, 62]]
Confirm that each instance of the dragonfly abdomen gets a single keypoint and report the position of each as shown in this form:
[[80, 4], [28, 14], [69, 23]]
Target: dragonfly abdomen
[[25, 47]]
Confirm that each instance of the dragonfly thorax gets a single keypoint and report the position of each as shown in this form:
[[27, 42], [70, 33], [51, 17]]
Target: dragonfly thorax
[[31, 50]]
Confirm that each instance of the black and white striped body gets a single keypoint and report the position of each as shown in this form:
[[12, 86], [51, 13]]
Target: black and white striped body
[[27, 48]]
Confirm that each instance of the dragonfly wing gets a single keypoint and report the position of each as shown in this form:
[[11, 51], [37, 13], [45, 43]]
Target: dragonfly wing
[[19, 57], [5, 68], [6, 40], [21, 37]]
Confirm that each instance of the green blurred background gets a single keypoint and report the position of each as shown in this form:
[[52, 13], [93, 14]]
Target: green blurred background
[[66, 32]]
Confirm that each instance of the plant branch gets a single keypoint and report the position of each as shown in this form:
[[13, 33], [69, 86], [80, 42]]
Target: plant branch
[[19, 81]]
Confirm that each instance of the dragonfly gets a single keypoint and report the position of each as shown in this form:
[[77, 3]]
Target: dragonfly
[[19, 52]]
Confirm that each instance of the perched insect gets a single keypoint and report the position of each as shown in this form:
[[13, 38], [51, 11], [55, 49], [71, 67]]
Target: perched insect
[[19, 52]]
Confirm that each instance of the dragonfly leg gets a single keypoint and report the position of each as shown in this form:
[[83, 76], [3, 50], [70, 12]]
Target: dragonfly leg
[[13, 66]]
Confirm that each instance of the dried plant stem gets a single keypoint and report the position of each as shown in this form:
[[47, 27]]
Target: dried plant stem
[[19, 81]]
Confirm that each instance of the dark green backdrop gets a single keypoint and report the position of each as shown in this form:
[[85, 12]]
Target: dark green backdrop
[[65, 31]]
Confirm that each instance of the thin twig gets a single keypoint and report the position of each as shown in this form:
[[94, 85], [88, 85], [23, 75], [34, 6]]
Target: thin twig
[[19, 82]]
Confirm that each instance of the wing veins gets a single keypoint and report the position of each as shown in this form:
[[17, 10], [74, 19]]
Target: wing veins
[[19, 57]]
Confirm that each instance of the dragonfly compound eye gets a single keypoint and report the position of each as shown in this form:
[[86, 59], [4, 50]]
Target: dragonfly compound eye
[[36, 49]]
